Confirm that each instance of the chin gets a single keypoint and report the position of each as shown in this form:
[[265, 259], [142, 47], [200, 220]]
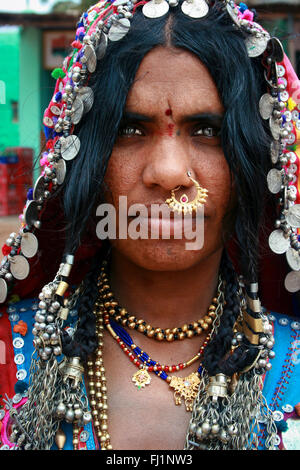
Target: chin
[[160, 255]]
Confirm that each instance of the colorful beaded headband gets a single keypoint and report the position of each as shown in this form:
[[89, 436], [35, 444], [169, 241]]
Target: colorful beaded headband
[[72, 98]]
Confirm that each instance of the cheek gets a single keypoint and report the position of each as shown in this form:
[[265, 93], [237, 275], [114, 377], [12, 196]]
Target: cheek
[[121, 177]]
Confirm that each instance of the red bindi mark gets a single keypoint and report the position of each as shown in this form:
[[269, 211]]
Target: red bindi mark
[[170, 129], [168, 112]]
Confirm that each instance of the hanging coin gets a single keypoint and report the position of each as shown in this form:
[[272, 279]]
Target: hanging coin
[[91, 59], [31, 213], [77, 110], [266, 105], [155, 8], [61, 169], [278, 242], [256, 44], [87, 97], [233, 13], [39, 188], [275, 151], [274, 180], [29, 245], [102, 46], [69, 147], [3, 290], [19, 267], [195, 8], [292, 281], [293, 216], [119, 29], [276, 49], [293, 259], [275, 127]]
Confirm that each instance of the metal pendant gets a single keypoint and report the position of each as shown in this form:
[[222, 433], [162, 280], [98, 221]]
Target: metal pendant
[[274, 127], [102, 46], [186, 388], [119, 29], [256, 45], [31, 213], [29, 245], [274, 180], [195, 8], [293, 216], [266, 105], [233, 13], [87, 97], [278, 242], [69, 147], [77, 110], [141, 378], [19, 267], [61, 169], [293, 259], [155, 8], [275, 151], [91, 59], [292, 281], [3, 290]]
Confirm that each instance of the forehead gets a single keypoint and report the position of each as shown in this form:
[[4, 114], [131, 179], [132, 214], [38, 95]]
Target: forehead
[[175, 78]]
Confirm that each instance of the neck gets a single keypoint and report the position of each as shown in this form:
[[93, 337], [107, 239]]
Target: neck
[[165, 299]]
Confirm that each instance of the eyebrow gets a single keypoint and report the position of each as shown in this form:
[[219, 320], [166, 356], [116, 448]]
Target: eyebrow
[[207, 118]]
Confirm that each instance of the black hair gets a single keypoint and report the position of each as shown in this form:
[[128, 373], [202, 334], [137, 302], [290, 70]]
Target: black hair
[[245, 141]]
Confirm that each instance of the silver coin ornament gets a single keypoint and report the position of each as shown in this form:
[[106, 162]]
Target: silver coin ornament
[[87, 97], [29, 245], [275, 151], [293, 215], [77, 110], [119, 29], [70, 147], [39, 188], [91, 58], [292, 281], [195, 8], [274, 180], [278, 242], [266, 105], [274, 127], [19, 267], [293, 259], [155, 9], [233, 13], [276, 48], [3, 290], [256, 45], [61, 170], [31, 213], [102, 46]]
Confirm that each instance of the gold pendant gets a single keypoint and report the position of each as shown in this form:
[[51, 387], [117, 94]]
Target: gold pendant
[[141, 378], [186, 388]]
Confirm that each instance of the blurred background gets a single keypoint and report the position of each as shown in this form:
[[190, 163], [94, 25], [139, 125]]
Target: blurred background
[[35, 36]]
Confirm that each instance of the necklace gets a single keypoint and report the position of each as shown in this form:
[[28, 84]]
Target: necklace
[[121, 316]]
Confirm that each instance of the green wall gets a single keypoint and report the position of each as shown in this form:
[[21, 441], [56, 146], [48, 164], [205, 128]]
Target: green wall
[[9, 86], [30, 91]]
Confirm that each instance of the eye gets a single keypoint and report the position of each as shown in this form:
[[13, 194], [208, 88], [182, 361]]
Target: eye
[[129, 131], [206, 131]]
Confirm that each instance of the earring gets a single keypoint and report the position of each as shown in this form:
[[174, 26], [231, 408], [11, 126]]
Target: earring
[[184, 205]]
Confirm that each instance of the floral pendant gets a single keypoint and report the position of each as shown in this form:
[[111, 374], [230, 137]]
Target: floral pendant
[[141, 378], [186, 388]]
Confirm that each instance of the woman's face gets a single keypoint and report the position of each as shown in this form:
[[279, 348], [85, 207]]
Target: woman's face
[[171, 123]]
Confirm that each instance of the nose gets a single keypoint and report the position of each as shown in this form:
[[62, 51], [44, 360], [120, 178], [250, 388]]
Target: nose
[[168, 165]]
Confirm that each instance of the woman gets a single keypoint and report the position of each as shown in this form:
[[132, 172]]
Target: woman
[[159, 102]]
